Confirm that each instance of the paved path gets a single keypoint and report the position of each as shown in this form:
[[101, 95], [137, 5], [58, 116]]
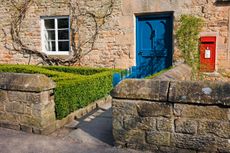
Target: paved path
[[92, 134]]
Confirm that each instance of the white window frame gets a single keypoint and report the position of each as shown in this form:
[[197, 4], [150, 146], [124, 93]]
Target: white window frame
[[43, 43]]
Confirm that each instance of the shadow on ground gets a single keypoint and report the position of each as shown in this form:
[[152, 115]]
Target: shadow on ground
[[95, 128]]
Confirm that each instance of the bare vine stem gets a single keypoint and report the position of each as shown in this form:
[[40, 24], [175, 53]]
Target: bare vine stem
[[76, 48]]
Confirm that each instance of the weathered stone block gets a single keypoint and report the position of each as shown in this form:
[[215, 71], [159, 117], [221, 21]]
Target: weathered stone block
[[144, 147], [9, 107], [2, 116], [10, 125], [25, 82], [117, 123], [199, 142], [119, 135], [201, 112], [158, 138], [31, 121], [147, 124], [48, 129], [127, 107], [48, 119], [15, 107], [143, 123], [154, 109], [165, 124], [37, 107], [135, 136], [185, 126], [223, 145], [200, 92], [3, 97], [220, 129], [12, 117], [18, 108], [142, 90], [45, 97], [48, 109], [2, 107], [24, 97], [28, 110], [131, 122]]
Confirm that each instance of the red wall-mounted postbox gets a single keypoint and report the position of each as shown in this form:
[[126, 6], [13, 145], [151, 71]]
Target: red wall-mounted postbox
[[207, 53]]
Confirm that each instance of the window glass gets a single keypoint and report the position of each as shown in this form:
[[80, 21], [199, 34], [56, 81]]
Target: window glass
[[49, 23], [63, 45], [55, 35], [63, 34], [50, 35], [63, 23], [50, 46]]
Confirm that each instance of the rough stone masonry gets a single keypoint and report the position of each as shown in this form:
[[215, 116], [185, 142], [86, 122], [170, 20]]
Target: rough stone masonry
[[172, 116], [115, 43], [27, 103]]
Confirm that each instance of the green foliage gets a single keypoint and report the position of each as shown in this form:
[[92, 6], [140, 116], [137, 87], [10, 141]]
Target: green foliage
[[77, 70], [188, 39], [73, 90], [74, 94]]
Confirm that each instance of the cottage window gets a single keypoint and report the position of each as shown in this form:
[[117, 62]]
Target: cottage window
[[55, 35]]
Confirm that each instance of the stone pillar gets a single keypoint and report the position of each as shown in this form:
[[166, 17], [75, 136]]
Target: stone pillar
[[27, 102]]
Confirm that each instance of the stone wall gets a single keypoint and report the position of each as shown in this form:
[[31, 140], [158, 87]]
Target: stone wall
[[27, 103], [172, 116], [115, 43]]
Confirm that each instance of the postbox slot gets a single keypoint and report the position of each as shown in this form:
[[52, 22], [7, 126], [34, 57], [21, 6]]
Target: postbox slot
[[208, 42]]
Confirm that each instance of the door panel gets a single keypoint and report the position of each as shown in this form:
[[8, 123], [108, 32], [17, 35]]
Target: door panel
[[154, 44]]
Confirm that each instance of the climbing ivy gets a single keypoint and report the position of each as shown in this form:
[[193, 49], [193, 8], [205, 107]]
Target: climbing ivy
[[188, 40]]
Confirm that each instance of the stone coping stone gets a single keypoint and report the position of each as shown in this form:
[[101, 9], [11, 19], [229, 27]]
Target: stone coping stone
[[140, 89], [180, 72], [25, 82], [196, 92], [200, 92]]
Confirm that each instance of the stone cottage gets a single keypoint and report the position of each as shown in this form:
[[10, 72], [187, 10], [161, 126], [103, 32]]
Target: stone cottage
[[106, 33]]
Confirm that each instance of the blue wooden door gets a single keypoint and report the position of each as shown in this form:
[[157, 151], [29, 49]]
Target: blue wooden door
[[153, 43]]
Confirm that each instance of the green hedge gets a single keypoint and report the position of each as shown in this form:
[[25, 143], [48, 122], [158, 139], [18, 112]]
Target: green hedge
[[76, 86], [74, 94], [77, 70]]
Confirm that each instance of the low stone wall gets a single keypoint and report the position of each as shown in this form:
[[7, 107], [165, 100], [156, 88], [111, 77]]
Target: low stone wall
[[180, 72], [27, 104], [172, 116]]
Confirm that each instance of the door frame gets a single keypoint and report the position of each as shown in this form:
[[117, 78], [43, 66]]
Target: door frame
[[168, 14]]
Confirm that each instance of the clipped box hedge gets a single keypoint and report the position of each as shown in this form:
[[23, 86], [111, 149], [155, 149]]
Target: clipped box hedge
[[76, 86]]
